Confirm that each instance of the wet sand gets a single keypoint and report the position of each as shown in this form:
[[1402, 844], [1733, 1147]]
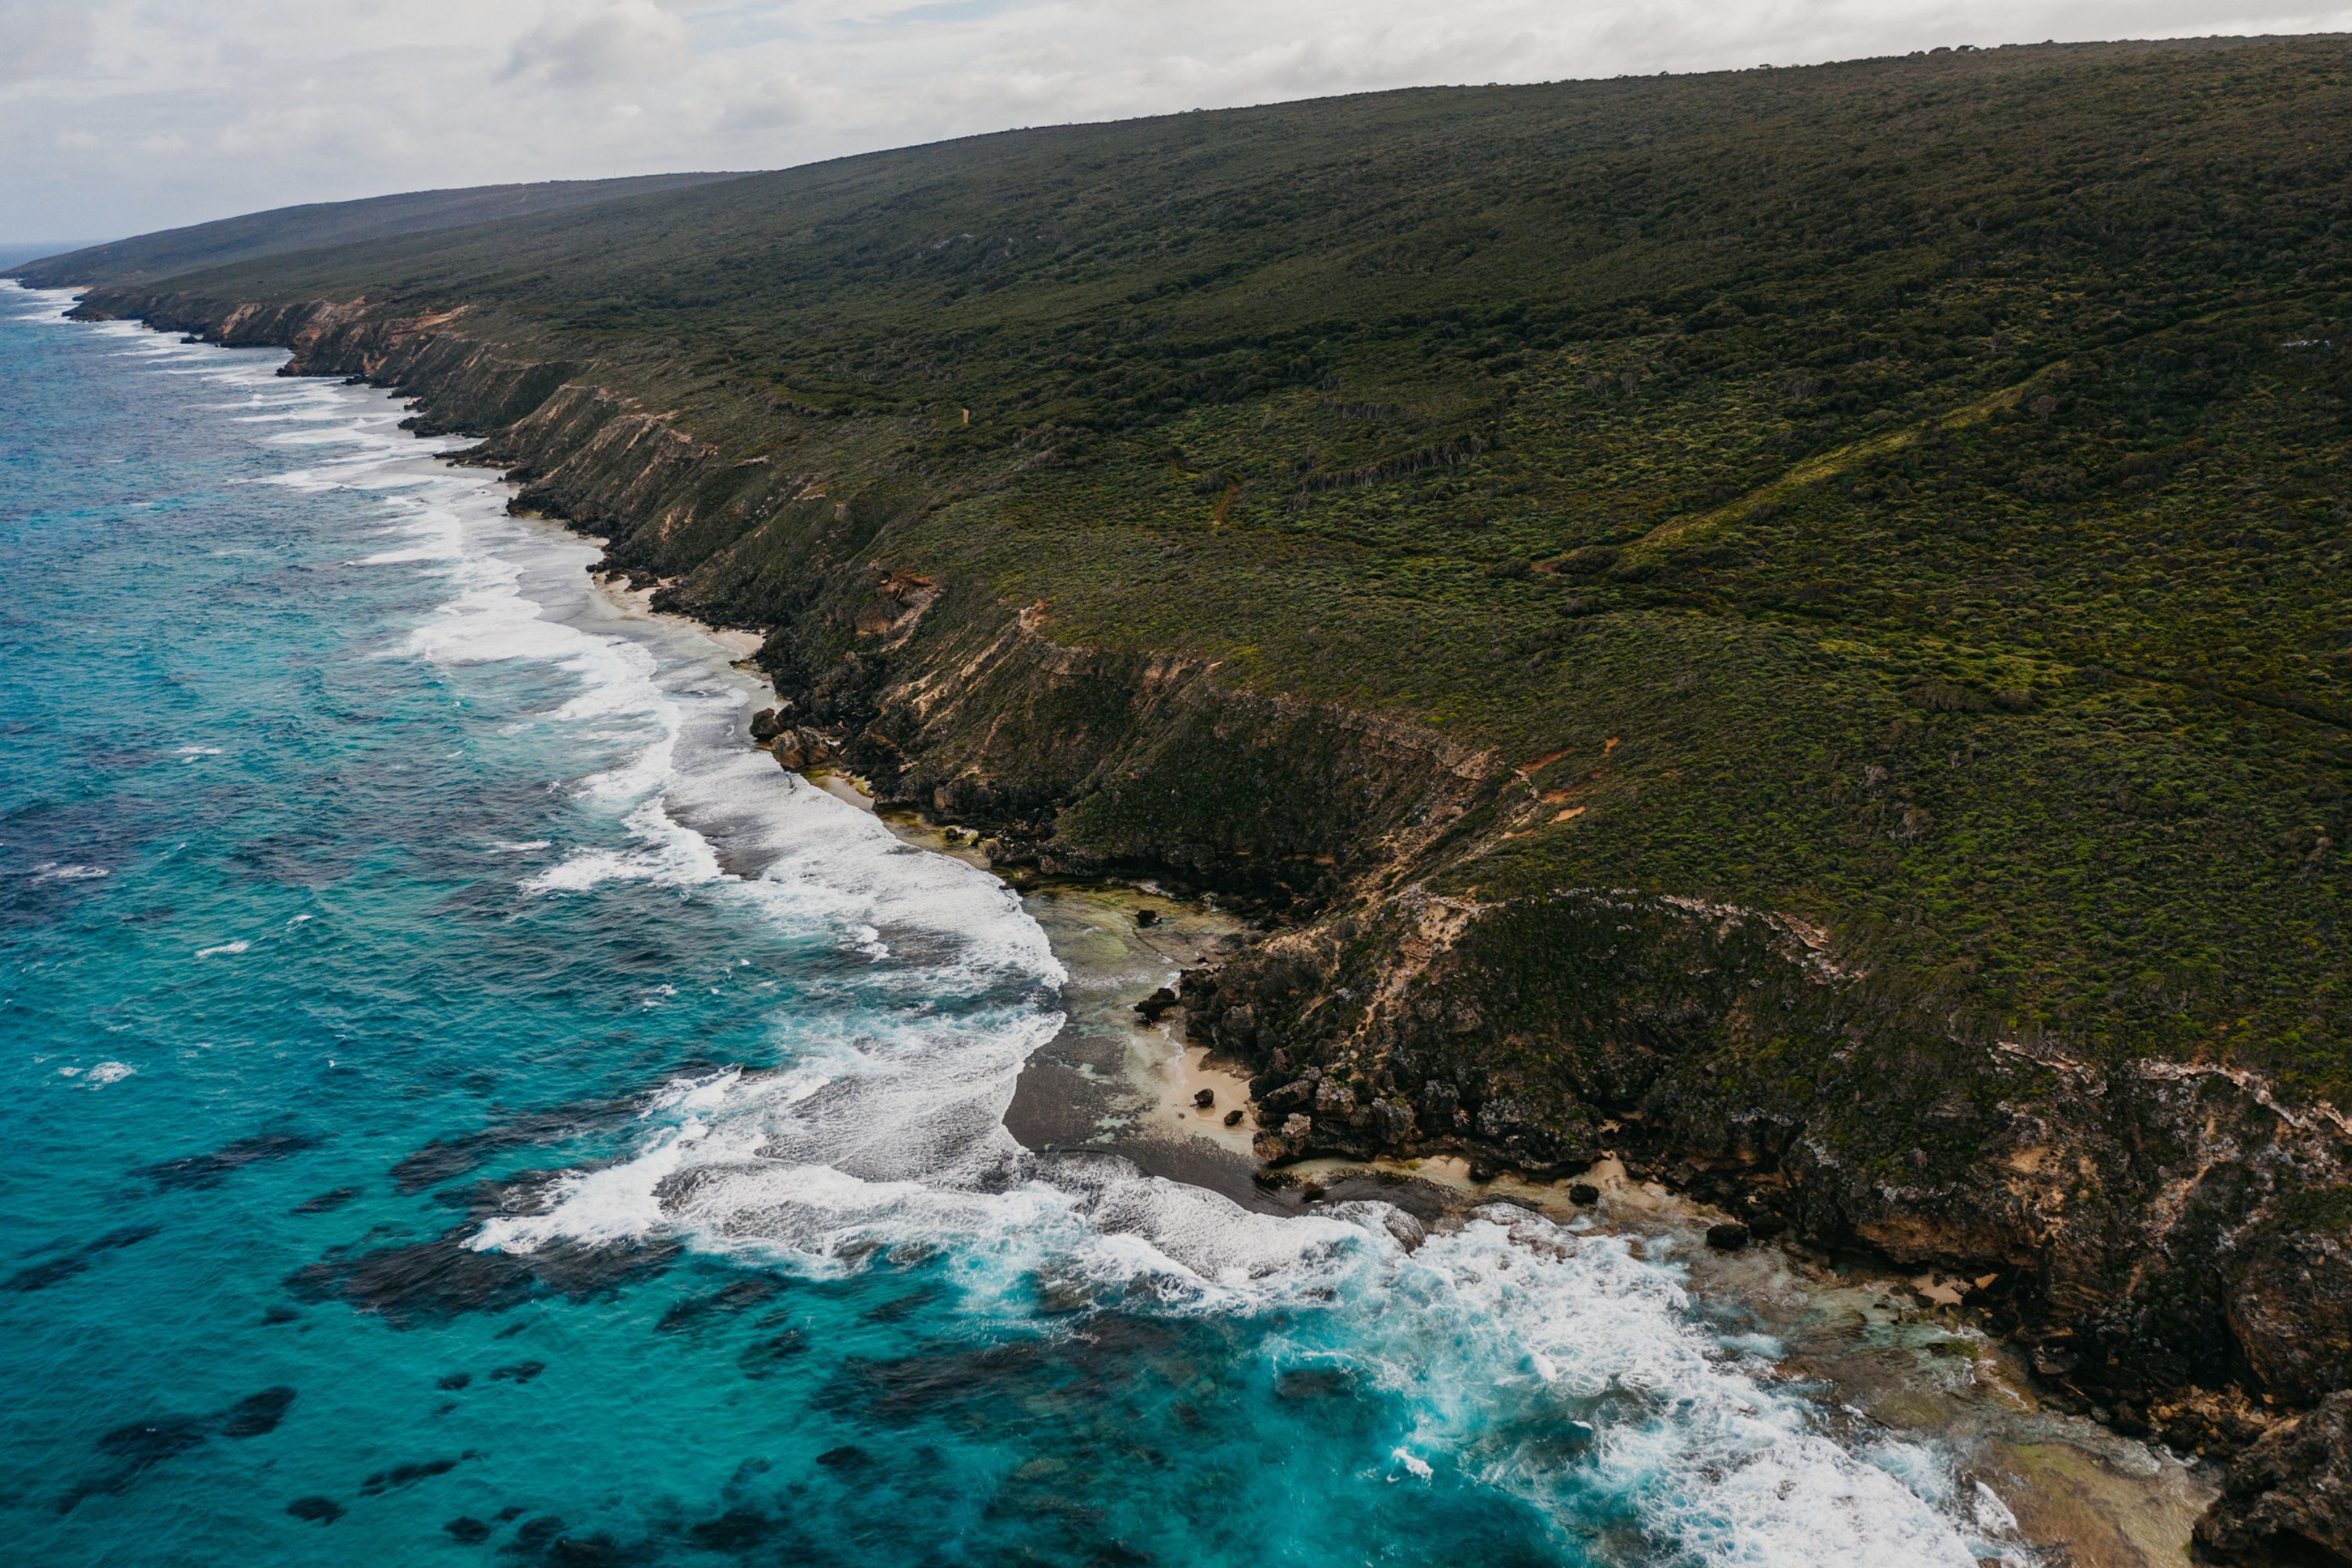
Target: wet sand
[[1110, 1082]]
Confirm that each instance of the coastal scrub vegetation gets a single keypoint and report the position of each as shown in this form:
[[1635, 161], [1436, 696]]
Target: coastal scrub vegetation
[[1909, 495]]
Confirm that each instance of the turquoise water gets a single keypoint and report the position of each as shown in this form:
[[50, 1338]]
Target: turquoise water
[[464, 1105]]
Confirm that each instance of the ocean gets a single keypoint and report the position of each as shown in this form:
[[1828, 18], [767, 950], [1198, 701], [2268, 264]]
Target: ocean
[[466, 1104]]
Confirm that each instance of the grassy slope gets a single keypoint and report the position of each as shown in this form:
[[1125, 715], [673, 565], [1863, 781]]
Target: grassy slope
[[1901, 462], [255, 236]]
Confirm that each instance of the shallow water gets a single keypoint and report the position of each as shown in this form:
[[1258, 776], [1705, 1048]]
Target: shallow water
[[465, 1104]]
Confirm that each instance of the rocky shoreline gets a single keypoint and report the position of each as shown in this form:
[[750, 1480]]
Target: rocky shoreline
[[1905, 1357], [2170, 1244]]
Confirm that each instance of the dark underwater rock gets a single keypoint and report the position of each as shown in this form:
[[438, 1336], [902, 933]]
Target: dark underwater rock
[[138, 1446], [401, 1476], [763, 1357], [466, 1531], [141, 1443], [737, 1296], [207, 1170], [316, 1509], [125, 1236], [444, 1159], [444, 1278], [739, 1530], [1312, 1383], [256, 1414], [42, 1275]]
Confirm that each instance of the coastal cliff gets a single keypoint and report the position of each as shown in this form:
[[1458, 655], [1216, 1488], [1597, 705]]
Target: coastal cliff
[[2168, 1239]]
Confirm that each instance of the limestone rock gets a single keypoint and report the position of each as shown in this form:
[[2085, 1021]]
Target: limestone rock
[[1296, 1095], [1289, 1143], [2289, 1498]]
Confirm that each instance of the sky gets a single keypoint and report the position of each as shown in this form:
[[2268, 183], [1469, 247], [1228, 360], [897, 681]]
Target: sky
[[122, 116]]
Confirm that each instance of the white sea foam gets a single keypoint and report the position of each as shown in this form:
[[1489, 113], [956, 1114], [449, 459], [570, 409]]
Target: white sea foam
[[48, 305], [228, 947], [110, 1072], [668, 854], [54, 871]]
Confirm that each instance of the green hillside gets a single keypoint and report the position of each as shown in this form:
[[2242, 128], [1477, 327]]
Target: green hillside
[[1910, 494], [283, 229]]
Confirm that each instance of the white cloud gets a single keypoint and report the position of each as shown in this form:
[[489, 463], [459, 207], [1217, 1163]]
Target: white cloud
[[770, 104], [587, 46], [274, 101], [41, 38]]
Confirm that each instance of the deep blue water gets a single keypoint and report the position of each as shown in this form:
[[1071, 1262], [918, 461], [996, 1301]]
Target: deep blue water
[[464, 1105]]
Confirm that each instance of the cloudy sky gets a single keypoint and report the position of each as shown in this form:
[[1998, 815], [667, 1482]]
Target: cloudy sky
[[120, 116]]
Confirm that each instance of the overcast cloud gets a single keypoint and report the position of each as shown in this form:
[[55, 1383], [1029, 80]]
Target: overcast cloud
[[120, 116]]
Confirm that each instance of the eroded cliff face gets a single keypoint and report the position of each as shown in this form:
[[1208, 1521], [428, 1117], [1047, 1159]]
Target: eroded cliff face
[[2160, 1233], [2171, 1240]]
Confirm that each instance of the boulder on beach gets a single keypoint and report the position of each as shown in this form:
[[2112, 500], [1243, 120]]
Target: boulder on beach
[[1729, 1236], [1289, 1143]]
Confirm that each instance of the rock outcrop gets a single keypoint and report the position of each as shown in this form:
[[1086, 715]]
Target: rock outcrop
[[2288, 1502]]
